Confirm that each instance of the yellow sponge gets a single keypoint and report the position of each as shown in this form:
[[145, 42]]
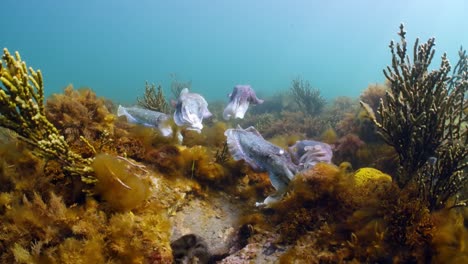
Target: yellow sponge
[[366, 175]]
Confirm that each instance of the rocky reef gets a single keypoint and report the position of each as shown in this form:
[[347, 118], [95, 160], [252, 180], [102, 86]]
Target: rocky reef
[[385, 183]]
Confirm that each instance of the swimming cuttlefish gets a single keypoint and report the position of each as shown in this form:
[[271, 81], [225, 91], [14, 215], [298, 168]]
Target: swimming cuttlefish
[[261, 155], [191, 108], [145, 117], [239, 100]]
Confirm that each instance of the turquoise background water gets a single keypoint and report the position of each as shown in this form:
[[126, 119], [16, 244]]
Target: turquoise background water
[[115, 46]]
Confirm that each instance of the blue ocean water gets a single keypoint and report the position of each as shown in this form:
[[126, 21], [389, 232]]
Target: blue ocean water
[[114, 46]]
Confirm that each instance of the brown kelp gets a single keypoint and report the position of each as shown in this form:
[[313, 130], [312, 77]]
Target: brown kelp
[[423, 117], [22, 110], [157, 200], [309, 100], [42, 220], [153, 99], [81, 117], [334, 215], [40, 226], [177, 85]]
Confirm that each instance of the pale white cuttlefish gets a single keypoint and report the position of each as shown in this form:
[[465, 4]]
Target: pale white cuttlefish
[[239, 100], [191, 108], [145, 117]]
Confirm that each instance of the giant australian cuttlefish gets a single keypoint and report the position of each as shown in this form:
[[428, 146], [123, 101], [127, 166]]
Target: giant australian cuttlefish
[[239, 100], [261, 155]]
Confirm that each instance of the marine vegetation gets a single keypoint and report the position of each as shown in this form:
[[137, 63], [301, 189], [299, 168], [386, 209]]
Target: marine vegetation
[[81, 117], [347, 148], [287, 123], [423, 117], [154, 99], [307, 98], [78, 184], [373, 94], [177, 86], [338, 109], [22, 110], [276, 103], [62, 201]]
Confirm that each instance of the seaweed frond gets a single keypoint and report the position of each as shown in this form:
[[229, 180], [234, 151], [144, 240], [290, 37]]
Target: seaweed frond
[[177, 86], [154, 99], [309, 100], [22, 110], [423, 116], [222, 154]]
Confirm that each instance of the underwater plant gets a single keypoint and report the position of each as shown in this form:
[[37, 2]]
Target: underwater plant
[[338, 109], [177, 86], [275, 104], [22, 110], [346, 149], [290, 123], [222, 154], [308, 99], [154, 99], [43, 222], [373, 94], [121, 182], [81, 117], [423, 117]]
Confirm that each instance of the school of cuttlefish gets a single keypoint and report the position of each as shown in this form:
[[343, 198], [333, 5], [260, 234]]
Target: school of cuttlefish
[[243, 144]]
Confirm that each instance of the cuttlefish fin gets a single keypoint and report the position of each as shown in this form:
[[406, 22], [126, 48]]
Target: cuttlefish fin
[[252, 129], [237, 151]]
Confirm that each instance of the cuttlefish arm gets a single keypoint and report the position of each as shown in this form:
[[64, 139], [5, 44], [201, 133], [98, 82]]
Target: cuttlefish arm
[[253, 99], [236, 109]]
